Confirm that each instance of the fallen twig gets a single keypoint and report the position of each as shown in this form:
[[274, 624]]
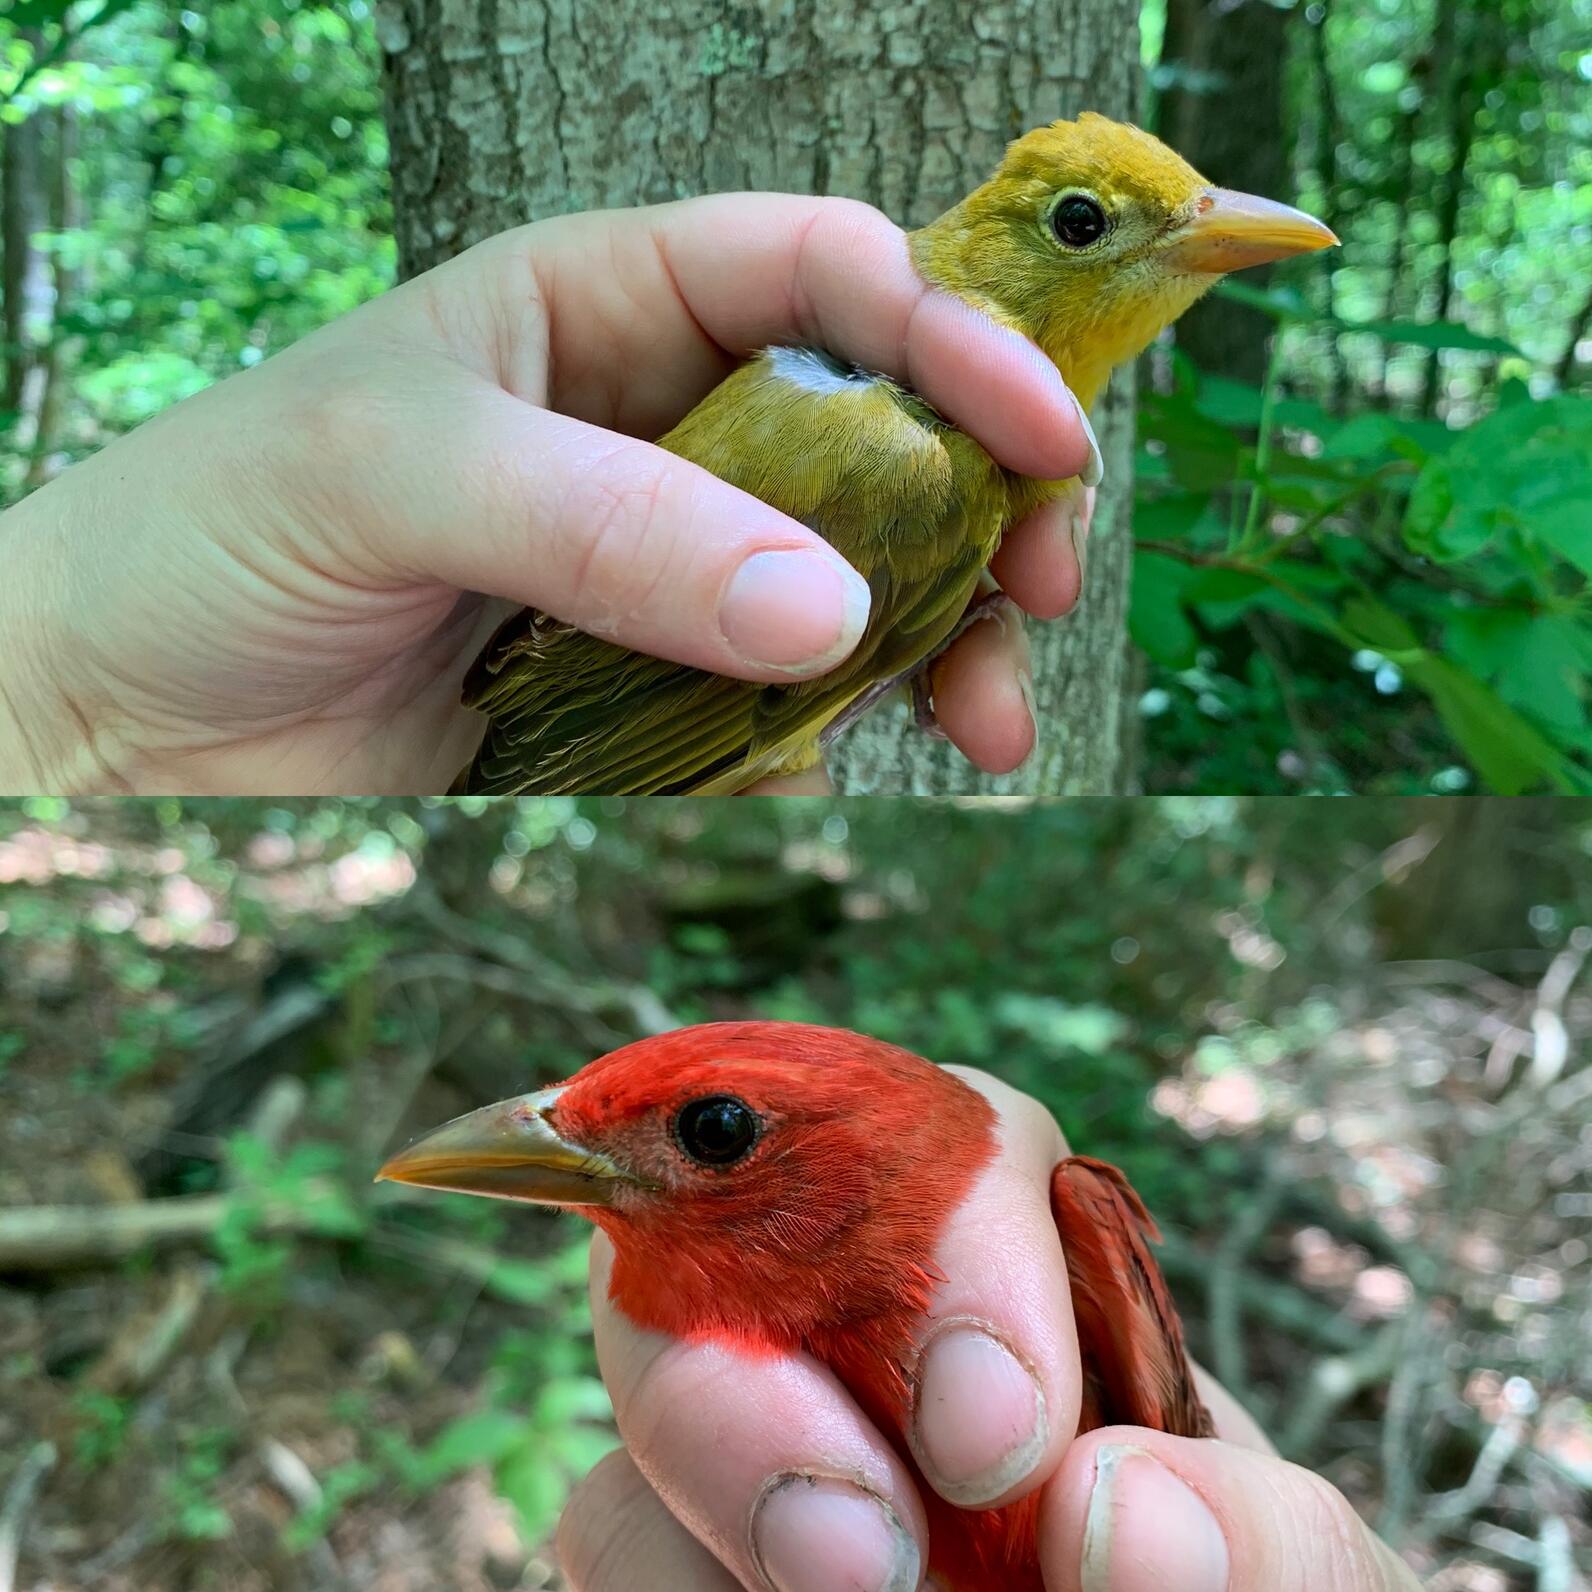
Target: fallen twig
[[554, 985], [146, 1344], [1278, 1303], [1224, 1307], [38, 1464], [1333, 1382], [62, 1237]]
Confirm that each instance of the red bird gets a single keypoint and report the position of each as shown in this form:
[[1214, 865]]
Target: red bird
[[797, 1179]]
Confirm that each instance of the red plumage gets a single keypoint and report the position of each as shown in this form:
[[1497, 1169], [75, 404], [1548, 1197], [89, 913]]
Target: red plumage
[[824, 1237], [820, 1234]]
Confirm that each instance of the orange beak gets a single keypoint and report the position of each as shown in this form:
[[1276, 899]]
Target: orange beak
[[1231, 230], [508, 1151]]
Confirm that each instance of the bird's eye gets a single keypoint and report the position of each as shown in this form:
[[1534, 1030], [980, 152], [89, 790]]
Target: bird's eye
[[718, 1130], [1078, 221]]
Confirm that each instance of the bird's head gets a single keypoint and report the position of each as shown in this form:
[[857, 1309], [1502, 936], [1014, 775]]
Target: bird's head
[[761, 1182], [1093, 236]]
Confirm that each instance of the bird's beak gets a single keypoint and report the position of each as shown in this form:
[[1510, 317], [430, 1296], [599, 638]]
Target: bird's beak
[[1230, 230], [508, 1151]]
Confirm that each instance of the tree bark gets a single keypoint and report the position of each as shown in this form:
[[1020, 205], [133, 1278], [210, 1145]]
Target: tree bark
[[1221, 56], [503, 113], [60, 348], [25, 274], [1472, 62], [1564, 371]]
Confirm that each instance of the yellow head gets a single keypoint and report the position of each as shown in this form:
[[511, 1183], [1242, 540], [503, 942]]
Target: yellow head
[[1093, 235]]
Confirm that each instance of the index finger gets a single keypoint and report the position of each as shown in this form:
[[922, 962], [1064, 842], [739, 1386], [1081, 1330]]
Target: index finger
[[746, 270], [766, 1459]]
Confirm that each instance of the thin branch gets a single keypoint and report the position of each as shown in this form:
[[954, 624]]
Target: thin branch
[[1224, 1306], [29, 1478]]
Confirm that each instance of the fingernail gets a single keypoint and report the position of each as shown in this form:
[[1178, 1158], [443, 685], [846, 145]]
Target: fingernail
[[796, 611], [979, 1425], [1147, 1531], [1011, 618], [814, 1534], [1094, 472], [1078, 529], [1025, 684]]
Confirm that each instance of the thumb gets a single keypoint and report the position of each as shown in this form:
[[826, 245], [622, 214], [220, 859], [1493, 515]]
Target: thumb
[[611, 534], [1137, 1511]]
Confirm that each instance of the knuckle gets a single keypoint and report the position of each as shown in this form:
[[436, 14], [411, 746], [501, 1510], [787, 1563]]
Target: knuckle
[[1028, 1126], [600, 1540], [1315, 1534], [629, 539]]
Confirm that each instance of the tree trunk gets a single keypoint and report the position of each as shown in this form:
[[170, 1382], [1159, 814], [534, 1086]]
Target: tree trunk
[[60, 348], [1564, 371], [26, 273], [1219, 56], [501, 114], [1473, 61], [1329, 139]]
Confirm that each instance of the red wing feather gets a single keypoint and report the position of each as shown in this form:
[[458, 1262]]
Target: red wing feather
[[1136, 1369]]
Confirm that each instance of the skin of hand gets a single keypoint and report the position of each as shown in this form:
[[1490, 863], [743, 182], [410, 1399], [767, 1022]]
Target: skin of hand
[[763, 1473], [273, 586]]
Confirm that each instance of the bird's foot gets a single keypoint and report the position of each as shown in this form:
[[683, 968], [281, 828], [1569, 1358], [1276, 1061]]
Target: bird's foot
[[918, 679]]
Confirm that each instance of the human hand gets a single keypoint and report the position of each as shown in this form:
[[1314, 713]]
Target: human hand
[[271, 587], [693, 1504]]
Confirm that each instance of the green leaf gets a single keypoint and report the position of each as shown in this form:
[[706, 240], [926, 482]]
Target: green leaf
[[1059, 1026], [482, 1438], [1156, 620], [1231, 403], [1375, 625], [1202, 454], [1171, 516], [536, 1486], [36, 13], [1367, 436], [1526, 468], [1536, 661], [1506, 751], [1287, 304], [1281, 303], [1431, 334], [523, 1282]]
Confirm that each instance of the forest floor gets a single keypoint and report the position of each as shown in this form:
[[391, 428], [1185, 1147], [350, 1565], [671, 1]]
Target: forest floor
[[292, 1399]]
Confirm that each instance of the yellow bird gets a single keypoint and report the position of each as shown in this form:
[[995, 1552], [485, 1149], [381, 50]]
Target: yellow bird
[[1090, 238]]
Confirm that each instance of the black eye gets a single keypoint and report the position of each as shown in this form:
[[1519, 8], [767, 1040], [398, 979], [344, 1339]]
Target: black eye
[[1078, 221], [718, 1130]]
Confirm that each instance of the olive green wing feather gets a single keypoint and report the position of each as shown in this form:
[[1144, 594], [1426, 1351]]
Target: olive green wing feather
[[913, 504]]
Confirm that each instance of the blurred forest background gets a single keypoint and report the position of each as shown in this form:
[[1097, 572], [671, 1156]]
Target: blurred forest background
[[1339, 1046], [1363, 487]]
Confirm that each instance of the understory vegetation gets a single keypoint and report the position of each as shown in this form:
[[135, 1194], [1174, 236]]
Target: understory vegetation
[[1339, 1047], [1362, 487]]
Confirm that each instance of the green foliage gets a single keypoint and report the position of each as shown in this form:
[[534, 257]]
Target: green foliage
[[304, 1183], [190, 1508], [545, 1419], [1130, 964], [340, 1486], [230, 168], [230, 171], [12, 1045], [1421, 441], [146, 1034], [101, 1430], [1445, 564]]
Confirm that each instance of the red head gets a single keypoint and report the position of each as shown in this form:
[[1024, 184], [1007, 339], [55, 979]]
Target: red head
[[766, 1182]]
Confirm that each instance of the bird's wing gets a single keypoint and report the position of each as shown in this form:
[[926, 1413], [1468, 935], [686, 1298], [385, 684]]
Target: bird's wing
[[915, 505], [1136, 1369]]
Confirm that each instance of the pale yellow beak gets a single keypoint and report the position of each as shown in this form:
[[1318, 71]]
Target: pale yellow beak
[[1231, 230], [508, 1151]]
